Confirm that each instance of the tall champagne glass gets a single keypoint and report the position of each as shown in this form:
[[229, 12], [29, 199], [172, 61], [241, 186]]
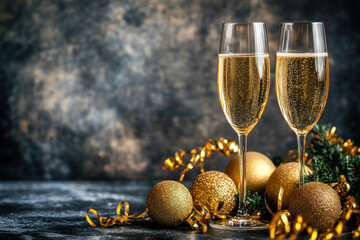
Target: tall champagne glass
[[243, 84], [302, 78]]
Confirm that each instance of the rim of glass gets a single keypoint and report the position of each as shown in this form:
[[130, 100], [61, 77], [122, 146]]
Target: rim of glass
[[301, 22], [242, 23]]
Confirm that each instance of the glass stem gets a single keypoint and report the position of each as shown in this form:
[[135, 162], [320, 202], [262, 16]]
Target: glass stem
[[242, 175], [301, 152]]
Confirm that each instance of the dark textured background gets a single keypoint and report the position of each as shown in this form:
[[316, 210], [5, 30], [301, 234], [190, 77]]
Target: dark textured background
[[109, 89]]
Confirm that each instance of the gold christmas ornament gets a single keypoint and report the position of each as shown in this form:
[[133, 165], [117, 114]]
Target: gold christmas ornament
[[317, 203], [281, 184], [212, 189], [169, 203], [258, 170]]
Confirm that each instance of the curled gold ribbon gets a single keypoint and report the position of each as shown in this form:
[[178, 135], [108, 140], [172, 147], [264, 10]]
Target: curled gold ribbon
[[223, 146], [201, 215], [280, 227], [279, 201], [280, 198], [121, 218]]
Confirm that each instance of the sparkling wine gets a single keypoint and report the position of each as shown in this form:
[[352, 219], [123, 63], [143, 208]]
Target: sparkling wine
[[243, 83], [302, 85]]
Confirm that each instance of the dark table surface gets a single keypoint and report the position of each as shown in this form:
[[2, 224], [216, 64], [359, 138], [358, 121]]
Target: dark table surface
[[56, 210]]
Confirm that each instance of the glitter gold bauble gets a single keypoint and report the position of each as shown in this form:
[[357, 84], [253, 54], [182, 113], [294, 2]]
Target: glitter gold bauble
[[286, 177], [212, 187], [258, 170], [317, 203], [169, 203]]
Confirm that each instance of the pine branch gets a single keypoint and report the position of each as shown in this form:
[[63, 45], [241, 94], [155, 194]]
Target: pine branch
[[255, 203], [331, 159]]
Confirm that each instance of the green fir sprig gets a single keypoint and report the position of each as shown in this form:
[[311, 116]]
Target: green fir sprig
[[330, 160], [255, 202]]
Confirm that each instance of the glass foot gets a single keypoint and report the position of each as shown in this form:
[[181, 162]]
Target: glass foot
[[240, 224]]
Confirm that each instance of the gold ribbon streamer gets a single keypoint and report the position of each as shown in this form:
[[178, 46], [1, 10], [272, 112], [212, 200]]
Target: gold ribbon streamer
[[201, 215], [280, 198], [279, 202], [224, 146], [280, 227], [111, 221]]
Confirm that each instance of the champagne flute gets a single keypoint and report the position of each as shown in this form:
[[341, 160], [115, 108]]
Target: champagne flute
[[243, 84], [302, 78]]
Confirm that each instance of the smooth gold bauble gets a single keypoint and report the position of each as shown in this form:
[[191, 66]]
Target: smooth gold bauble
[[212, 187], [169, 203], [287, 177], [317, 203], [258, 170]]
